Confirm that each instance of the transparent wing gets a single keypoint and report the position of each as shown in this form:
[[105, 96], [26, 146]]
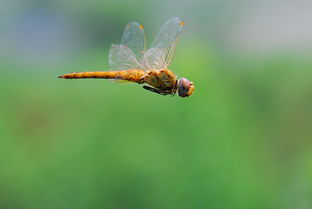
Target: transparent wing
[[133, 37], [154, 59], [121, 57], [166, 40]]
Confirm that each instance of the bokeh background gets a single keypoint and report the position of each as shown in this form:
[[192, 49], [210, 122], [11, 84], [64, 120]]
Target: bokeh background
[[242, 141]]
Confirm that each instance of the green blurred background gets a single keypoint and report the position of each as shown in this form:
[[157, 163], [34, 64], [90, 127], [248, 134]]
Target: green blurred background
[[242, 140]]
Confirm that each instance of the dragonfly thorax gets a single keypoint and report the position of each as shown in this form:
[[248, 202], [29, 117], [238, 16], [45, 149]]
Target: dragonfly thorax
[[161, 79]]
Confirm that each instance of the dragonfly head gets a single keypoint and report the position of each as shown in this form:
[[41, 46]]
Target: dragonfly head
[[185, 87]]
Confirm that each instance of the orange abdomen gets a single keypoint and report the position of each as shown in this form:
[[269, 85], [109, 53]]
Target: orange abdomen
[[127, 75]]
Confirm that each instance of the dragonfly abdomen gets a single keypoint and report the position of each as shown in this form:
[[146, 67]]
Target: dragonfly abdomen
[[128, 75], [104, 74]]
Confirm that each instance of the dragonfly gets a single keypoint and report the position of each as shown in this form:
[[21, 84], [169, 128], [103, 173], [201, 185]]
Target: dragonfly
[[131, 61]]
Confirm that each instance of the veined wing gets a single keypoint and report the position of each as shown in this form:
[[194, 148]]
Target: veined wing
[[154, 59], [128, 55], [163, 47], [133, 37], [121, 57]]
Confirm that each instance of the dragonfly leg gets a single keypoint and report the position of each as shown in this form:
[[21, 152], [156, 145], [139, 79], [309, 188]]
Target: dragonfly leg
[[155, 90]]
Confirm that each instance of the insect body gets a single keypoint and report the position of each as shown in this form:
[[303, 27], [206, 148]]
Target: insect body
[[130, 61]]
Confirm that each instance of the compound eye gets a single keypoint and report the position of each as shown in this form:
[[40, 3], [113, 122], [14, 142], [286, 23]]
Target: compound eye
[[183, 87]]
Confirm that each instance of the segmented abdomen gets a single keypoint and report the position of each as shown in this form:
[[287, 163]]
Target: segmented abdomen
[[134, 75]]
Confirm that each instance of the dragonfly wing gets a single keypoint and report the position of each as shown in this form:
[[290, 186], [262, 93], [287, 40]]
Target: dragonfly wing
[[167, 37], [133, 37], [154, 59], [121, 57]]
